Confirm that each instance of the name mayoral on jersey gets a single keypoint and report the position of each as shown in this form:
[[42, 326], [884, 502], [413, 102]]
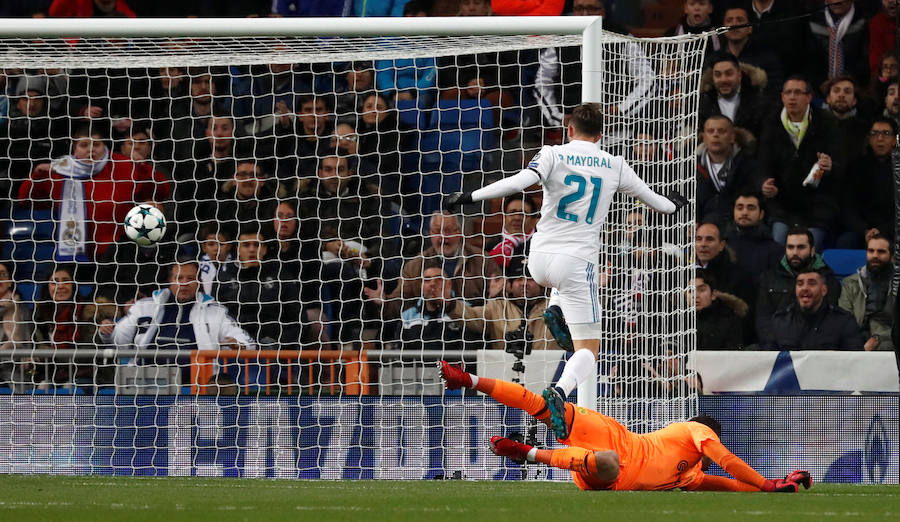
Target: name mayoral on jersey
[[584, 161]]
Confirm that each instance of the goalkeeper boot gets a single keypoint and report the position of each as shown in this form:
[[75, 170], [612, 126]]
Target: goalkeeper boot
[[454, 376], [556, 404], [556, 323], [505, 447], [800, 477]]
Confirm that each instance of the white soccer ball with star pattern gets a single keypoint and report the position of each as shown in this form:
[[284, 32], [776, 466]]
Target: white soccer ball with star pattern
[[145, 224]]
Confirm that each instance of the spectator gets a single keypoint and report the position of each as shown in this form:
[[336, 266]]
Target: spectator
[[56, 317], [519, 220], [733, 90], [191, 116], [378, 145], [249, 197], [299, 255], [346, 219], [263, 295], [776, 27], [719, 315], [469, 270], [138, 146], [892, 102], [517, 304], [90, 8], [359, 82], [427, 324], [837, 42], [301, 141], [866, 295], [216, 257], [516, 8], [481, 7], [180, 317], [697, 19], [93, 189], [792, 143], [17, 330], [741, 44], [887, 73], [749, 237], [882, 34], [718, 260], [31, 135], [345, 142], [811, 323], [722, 169], [130, 268], [850, 119], [776, 286], [197, 178], [869, 200], [410, 78], [557, 84]]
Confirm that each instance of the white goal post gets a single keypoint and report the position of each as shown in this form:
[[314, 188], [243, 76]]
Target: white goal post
[[325, 403]]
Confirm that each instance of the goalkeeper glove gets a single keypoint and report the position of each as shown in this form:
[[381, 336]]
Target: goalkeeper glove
[[790, 484], [456, 200], [677, 199]]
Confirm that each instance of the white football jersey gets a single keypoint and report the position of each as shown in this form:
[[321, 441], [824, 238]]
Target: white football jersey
[[579, 182]]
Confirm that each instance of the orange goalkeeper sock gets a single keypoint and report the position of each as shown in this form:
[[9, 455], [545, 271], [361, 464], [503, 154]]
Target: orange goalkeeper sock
[[576, 459], [515, 395]]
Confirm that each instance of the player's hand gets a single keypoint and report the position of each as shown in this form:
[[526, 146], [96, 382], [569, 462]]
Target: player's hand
[[456, 200], [677, 199]]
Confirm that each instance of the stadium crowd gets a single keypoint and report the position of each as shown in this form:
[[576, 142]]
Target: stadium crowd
[[308, 207]]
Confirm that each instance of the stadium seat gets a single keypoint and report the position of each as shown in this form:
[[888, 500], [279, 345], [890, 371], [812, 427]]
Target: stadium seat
[[844, 262]]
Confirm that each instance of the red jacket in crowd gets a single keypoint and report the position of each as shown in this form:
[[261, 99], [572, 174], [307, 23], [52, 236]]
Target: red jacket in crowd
[[882, 31], [108, 195], [527, 7], [84, 8]]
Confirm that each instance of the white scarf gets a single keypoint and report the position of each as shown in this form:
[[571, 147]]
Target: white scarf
[[71, 231], [835, 49]]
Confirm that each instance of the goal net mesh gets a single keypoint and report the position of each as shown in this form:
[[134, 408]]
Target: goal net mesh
[[289, 321]]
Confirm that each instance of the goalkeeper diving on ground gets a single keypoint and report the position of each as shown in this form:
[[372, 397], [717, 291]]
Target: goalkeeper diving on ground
[[579, 182], [603, 454]]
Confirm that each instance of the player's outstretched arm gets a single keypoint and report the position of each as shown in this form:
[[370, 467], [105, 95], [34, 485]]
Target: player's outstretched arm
[[743, 472], [497, 189]]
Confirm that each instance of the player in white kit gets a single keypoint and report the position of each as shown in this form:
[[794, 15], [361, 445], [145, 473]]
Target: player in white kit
[[579, 181]]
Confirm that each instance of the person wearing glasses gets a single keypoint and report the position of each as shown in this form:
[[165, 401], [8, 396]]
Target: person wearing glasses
[[798, 165], [869, 189]]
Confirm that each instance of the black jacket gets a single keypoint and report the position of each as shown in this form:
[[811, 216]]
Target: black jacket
[[738, 173], [756, 251], [855, 44], [264, 300], [830, 328], [731, 278], [776, 290], [719, 325], [779, 159], [752, 106], [869, 189]]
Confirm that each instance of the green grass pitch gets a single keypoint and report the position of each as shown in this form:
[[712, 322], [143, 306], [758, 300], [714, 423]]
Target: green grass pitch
[[120, 499]]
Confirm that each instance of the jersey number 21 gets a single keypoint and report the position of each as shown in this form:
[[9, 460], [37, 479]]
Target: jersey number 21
[[580, 186]]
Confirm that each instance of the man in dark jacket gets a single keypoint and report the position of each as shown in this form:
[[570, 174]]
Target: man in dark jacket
[[732, 89], [719, 261], [869, 204], [811, 323], [719, 315], [776, 287], [749, 236], [722, 169], [837, 42], [792, 143], [262, 295]]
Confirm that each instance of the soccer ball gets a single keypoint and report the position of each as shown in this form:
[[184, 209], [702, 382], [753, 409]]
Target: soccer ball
[[145, 225]]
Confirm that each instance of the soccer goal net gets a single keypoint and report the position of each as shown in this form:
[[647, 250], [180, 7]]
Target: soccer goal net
[[288, 320]]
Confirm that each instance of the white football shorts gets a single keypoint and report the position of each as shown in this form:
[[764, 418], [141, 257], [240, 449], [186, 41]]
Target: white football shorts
[[576, 281]]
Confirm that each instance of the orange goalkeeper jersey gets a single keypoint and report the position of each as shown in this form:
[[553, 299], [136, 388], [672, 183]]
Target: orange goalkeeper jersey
[[665, 459]]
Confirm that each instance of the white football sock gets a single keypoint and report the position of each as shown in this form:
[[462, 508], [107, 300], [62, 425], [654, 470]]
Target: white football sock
[[474, 379], [578, 367], [531, 455]]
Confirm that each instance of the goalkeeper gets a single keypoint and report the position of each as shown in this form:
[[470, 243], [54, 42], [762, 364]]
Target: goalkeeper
[[579, 181], [603, 454]]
